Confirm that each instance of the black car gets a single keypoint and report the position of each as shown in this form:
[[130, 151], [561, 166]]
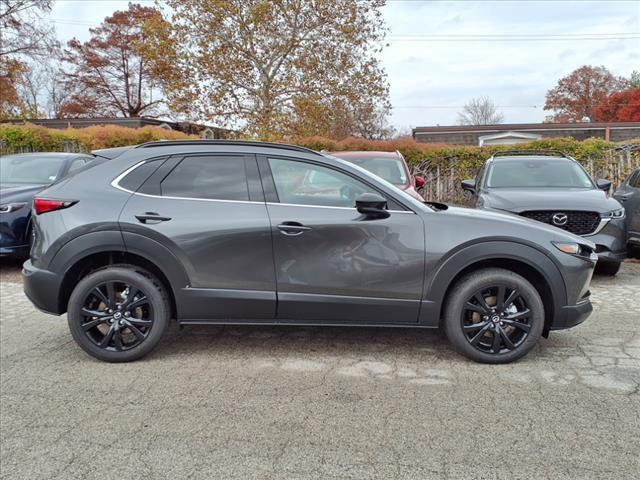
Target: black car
[[553, 188], [235, 232], [629, 195], [21, 177]]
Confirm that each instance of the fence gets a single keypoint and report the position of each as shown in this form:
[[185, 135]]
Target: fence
[[442, 182]]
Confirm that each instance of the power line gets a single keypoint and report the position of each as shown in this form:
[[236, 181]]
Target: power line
[[507, 106]]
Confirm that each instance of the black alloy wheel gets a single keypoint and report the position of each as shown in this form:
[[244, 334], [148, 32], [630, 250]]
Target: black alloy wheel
[[494, 315], [118, 314], [496, 319]]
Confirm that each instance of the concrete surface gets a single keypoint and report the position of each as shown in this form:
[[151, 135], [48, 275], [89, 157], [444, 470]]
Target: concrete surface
[[303, 403]]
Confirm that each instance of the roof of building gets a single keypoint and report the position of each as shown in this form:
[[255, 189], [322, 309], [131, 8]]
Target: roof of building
[[525, 126]]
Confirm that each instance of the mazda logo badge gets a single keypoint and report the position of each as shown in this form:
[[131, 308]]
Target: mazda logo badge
[[560, 219]]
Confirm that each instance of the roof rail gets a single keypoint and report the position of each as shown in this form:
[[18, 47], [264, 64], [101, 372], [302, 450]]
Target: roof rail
[[249, 143], [509, 153]]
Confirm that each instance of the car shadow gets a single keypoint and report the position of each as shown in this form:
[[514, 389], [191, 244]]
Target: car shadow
[[300, 341]]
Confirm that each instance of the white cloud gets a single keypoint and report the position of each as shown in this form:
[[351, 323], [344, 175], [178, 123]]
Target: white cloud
[[449, 73], [434, 72]]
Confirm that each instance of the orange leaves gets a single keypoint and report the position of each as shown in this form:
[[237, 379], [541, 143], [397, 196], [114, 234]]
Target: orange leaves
[[580, 93]]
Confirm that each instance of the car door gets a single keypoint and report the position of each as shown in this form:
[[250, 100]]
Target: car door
[[209, 211], [629, 196], [332, 263]]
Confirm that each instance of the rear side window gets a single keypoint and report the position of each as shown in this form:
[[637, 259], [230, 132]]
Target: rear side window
[[214, 177], [139, 175]]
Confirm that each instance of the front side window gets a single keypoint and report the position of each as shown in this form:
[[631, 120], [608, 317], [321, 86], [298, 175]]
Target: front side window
[[537, 173], [302, 183], [208, 177], [634, 181]]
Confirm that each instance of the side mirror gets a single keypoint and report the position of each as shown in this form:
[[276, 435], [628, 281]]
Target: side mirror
[[372, 205], [469, 185], [603, 184], [419, 182]]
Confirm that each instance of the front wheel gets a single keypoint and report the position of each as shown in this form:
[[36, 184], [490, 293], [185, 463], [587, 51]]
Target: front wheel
[[118, 314], [493, 316]]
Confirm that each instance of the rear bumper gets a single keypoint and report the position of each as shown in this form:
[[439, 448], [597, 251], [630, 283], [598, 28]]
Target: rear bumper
[[572, 315], [42, 288]]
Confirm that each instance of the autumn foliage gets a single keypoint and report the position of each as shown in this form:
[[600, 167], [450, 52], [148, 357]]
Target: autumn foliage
[[581, 93], [110, 74], [620, 107]]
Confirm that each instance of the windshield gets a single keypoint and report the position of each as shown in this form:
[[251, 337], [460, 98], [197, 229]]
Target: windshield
[[391, 169], [537, 173], [31, 169]]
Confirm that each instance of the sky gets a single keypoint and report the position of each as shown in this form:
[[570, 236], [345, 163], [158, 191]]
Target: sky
[[441, 54]]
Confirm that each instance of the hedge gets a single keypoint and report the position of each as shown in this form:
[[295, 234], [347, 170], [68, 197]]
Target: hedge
[[29, 137], [443, 165]]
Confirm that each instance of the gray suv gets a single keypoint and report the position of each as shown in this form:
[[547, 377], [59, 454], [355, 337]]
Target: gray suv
[[551, 187], [234, 232]]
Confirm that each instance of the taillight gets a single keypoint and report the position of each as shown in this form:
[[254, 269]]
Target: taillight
[[44, 205]]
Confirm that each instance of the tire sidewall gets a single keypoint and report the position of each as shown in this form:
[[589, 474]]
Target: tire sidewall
[[145, 284], [465, 289]]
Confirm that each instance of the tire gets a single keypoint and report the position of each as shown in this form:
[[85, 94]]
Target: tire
[[475, 335], [607, 268], [129, 332]]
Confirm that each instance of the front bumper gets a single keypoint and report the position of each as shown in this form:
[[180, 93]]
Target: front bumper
[[15, 251], [572, 315], [611, 241], [42, 288]]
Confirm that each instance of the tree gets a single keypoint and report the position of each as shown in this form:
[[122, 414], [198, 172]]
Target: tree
[[577, 95], [620, 107], [480, 111], [24, 35], [634, 79], [279, 67], [110, 74]]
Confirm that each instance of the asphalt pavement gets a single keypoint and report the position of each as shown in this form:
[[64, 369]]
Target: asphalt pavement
[[321, 403]]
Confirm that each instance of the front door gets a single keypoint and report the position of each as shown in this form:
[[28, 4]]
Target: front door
[[332, 263]]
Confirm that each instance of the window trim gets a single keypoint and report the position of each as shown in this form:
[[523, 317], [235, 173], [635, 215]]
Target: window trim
[[271, 194], [171, 162]]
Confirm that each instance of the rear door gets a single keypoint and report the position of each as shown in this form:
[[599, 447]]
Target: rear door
[[334, 265], [209, 211]]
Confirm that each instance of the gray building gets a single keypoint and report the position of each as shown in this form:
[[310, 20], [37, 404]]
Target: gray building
[[510, 134]]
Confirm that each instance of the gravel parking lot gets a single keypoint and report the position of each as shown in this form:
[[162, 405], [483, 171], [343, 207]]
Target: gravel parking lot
[[301, 403]]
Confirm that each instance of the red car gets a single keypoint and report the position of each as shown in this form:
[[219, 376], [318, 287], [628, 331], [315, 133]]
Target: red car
[[391, 166]]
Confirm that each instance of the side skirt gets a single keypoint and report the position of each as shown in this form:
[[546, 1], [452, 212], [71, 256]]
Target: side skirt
[[309, 323]]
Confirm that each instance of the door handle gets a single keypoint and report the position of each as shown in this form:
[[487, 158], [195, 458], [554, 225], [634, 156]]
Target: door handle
[[150, 218], [293, 228]]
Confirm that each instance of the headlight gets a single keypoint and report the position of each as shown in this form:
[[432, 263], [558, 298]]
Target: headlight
[[11, 207], [613, 214], [573, 248]]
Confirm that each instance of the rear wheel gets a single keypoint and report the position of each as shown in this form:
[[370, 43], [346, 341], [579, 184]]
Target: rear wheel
[[494, 316], [118, 314], [607, 268]]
